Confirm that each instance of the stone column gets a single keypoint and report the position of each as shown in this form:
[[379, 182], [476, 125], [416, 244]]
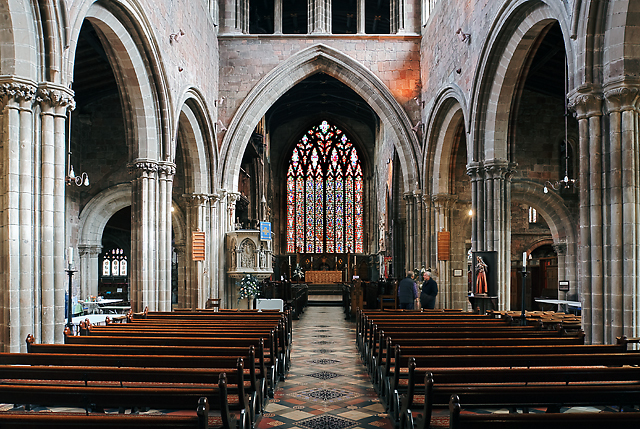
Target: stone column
[[621, 298], [277, 17], [361, 17], [88, 270], [409, 233], [183, 267], [561, 251], [197, 216], [214, 245], [474, 170], [420, 237], [320, 16], [144, 236], [16, 218], [497, 215], [166, 172], [443, 204], [588, 109]]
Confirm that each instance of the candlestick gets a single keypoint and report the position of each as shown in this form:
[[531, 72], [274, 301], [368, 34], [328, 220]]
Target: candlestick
[[524, 261], [70, 256]]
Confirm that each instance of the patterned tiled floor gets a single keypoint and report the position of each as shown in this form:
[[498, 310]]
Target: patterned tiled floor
[[327, 386]]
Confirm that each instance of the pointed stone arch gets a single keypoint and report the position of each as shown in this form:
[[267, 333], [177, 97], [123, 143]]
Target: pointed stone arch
[[449, 109], [497, 76], [195, 129], [315, 59], [93, 219], [564, 232]]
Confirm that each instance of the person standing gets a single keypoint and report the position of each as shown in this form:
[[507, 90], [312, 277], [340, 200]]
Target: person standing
[[429, 292], [407, 292]]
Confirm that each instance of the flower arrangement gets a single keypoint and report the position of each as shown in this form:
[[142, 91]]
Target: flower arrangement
[[248, 287], [298, 272]]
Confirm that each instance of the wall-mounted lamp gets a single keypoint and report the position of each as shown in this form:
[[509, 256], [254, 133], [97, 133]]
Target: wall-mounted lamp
[[418, 102], [219, 126], [180, 69], [174, 37], [464, 37], [470, 212], [459, 70], [218, 102], [82, 179], [418, 126]]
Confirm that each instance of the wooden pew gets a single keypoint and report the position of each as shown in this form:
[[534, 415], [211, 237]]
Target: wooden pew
[[439, 384], [59, 420], [100, 398], [267, 362], [457, 420], [219, 357]]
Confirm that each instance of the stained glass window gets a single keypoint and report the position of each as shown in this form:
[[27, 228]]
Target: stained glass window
[[325, 194], [114, 263]]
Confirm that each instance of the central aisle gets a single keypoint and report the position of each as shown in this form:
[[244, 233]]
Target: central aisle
[[328, 386]]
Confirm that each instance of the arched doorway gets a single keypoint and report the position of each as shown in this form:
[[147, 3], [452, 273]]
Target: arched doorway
[[113, 280]]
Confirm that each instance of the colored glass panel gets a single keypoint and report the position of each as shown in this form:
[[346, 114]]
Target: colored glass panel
[[319, 211], [325, 196]]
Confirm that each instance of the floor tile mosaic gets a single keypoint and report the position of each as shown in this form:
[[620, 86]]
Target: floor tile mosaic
[[327, 386]]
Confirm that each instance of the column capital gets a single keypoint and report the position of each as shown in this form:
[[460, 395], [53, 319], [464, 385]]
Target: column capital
[[167, 168], [55, 95], [215, 198], [474, 170], [17, 89], [142, 165], [621, 98], [496, 168], [560, 248], [444, 200], [586, 104], [196, 199], [89, 249]]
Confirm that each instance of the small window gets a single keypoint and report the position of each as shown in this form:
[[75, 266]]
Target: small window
[[114, 264], [533, 215]]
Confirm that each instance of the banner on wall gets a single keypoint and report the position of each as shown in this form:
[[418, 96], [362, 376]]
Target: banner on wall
[[265, 230]]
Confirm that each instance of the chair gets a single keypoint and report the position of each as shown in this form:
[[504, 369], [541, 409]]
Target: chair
[[389, 301], [212, 303]]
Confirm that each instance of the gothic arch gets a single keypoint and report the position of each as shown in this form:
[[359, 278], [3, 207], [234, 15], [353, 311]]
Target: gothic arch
[[448, 111], [98, 211], [315, 59], [504, 54], [200, 155], [564, 232], [134, 56], [93, 219]]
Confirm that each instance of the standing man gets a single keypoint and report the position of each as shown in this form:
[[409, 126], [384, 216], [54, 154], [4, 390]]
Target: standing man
[[407, 292], [429, 292]]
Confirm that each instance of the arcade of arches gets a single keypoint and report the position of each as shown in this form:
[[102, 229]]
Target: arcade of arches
[[389, 135]]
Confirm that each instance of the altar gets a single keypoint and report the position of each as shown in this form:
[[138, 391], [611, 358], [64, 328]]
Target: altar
[[323, 277]]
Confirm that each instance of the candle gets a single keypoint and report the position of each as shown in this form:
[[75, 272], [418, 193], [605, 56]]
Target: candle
[[524, 261], [70, 255]]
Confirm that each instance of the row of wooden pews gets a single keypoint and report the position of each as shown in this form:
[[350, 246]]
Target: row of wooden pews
[[421, 360], [221, 365]]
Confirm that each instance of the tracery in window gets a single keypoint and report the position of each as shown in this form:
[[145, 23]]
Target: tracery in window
[[325, 194]]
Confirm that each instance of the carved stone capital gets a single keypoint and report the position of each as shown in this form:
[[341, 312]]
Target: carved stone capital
[[17, 90], [444, 200], [167, 169], [197, 199], [586, 105], [622, 98], [143, 166], [55, 96], [496, 169], [560, 248]]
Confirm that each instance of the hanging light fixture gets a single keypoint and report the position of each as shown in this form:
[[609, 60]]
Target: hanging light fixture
[[83, 178], [566, 182]]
